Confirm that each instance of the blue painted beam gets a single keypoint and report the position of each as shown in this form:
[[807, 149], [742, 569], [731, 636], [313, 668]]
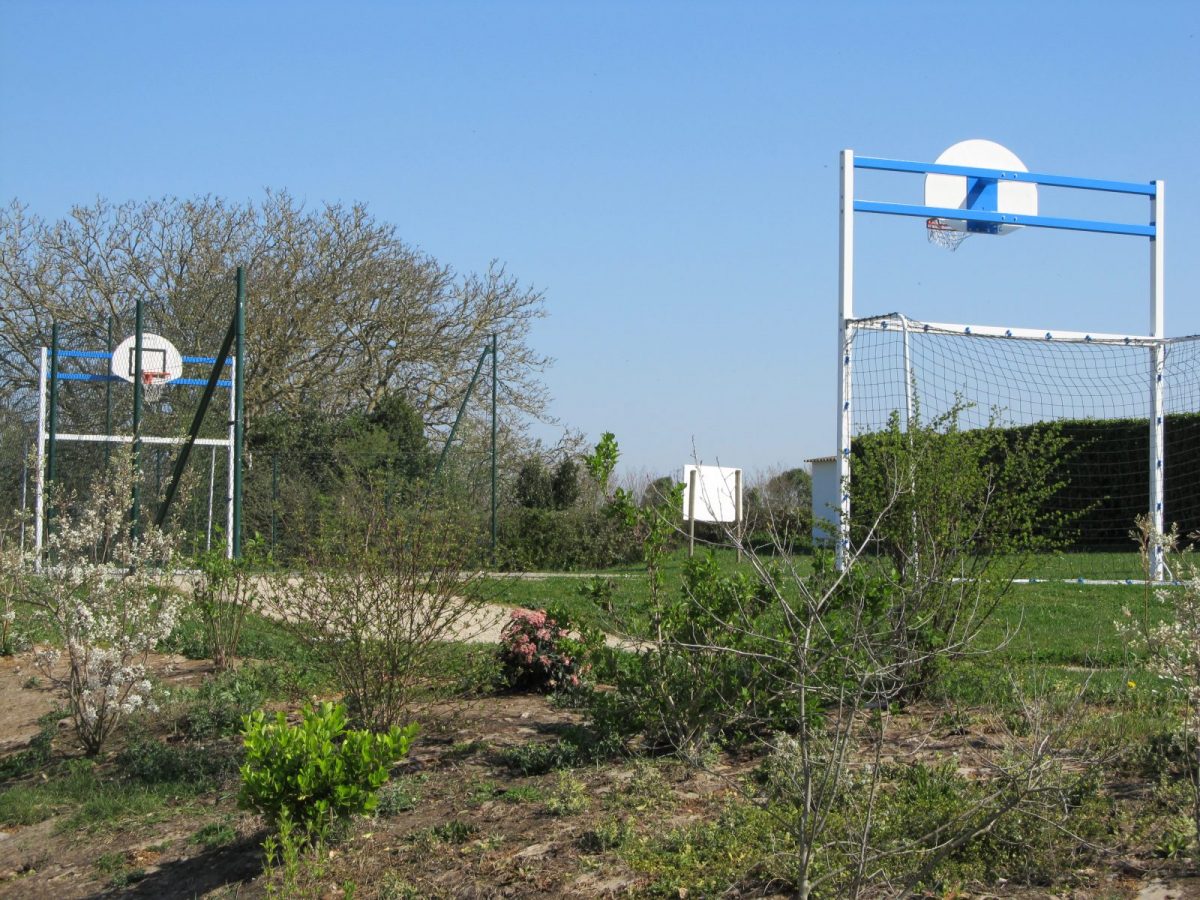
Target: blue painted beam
[[185, 382], [994, 218], [83, 354], [102, 354], [85, 376], [1087, 184], [200, 382]]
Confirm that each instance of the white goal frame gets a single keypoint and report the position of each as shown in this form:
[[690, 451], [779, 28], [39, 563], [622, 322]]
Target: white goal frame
[[1154, 341]]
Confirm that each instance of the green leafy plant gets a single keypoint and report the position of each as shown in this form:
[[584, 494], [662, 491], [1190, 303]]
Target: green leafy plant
[[317, 771], [948, 516], [388, 585], [400, 795], [601, 590], [1172, 644], [609, 834], [148, 760], [602, 460], [214, 835], [223, 592], [569, 796]]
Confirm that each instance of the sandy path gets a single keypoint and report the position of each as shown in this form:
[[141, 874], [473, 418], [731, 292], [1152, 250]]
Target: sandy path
[[480, 624]]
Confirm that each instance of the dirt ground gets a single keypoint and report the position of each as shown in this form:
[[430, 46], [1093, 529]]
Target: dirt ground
[[473, 829]]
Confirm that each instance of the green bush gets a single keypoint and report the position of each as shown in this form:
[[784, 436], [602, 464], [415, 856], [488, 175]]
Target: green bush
[[712, 673], [577, 747], [531, 538], [317, 771], [1036, 841], [216, 707], [150, 761]]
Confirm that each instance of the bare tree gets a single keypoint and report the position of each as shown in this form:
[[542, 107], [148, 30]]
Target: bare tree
[[341, 312]]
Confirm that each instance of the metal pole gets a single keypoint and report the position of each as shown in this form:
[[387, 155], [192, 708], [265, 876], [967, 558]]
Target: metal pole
[[238, 408], [136, 510], [274, 496], [39, 503], [212, 481], [233, 366], [108, 399], [1157, 360], [909, 409], [24, 495], [185, 451], [845, 336], [737, 500], [691, 513], [52, 437], [461, 409], [494, 531], [908, 375]]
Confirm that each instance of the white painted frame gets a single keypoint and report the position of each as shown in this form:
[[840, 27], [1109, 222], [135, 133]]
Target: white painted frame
[[1155, 342]]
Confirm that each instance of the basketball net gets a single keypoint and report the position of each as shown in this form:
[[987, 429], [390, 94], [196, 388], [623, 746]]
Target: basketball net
[[153, 384], [940, 232]]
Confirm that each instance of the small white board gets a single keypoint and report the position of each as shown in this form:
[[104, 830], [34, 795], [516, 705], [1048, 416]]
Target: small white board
[[161, 362], [961, 192], [718, 497]]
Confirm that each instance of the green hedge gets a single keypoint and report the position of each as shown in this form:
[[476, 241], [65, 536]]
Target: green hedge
[[1107, 476]]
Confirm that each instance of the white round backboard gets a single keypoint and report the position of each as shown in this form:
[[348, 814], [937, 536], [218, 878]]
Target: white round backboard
[[161, 362], [950, 191]]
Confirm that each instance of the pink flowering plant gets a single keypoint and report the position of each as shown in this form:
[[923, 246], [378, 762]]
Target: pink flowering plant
[[540, 650]]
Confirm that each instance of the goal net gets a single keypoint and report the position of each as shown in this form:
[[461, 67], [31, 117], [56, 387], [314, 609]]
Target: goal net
[[1098, 389]]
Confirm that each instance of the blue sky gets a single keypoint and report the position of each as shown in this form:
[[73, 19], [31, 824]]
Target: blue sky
[[666, 172]]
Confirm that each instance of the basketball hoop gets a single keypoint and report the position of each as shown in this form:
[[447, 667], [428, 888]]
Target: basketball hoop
[[153, 384], [944, 234], [161, 364]]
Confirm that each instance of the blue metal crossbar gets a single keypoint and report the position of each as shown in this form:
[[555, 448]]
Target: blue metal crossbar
[[83, 354], [84, 376], [1088, 184], [183, 382], [987, 179], [200, 382], [103, 354], [995, 218]]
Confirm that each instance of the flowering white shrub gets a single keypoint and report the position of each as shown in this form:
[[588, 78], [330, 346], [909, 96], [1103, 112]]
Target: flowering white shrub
[[12, 580], [1171, 645], [107, 596]]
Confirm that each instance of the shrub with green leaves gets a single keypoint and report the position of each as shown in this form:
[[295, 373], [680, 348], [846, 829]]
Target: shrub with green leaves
[[223, 593], [317, 771], [949, 515]]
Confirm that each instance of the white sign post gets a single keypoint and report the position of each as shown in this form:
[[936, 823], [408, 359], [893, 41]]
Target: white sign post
[[714, 494]]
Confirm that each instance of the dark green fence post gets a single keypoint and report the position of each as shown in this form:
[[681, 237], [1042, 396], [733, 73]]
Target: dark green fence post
[[493, 447], [52, 427], [108, 398], [239, 380], [135, 510], [274, 496]]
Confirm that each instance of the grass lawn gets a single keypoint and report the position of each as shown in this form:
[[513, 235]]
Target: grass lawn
[[1049, 622]]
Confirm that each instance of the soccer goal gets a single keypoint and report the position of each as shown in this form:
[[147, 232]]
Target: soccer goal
[[1129, 405]]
